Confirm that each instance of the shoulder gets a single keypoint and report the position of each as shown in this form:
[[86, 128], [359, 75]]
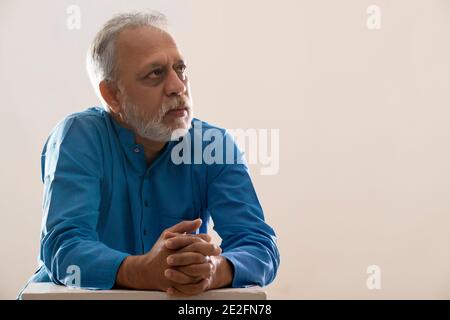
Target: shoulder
[[90, 118], [82, 131], [88, 123]]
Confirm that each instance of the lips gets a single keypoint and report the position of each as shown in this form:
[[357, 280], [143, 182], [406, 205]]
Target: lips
[[178, 112], [178, 109]]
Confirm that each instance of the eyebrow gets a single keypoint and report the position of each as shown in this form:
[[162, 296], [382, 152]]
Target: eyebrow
[[155, 64]]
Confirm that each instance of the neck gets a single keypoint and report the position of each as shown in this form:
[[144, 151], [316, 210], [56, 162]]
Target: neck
[[151, 148]]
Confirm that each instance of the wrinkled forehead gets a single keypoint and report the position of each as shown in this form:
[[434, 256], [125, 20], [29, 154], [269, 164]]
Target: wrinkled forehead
[[138, 46]]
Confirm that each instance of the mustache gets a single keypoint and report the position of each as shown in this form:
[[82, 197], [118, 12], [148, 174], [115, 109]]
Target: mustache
[[176, 103]]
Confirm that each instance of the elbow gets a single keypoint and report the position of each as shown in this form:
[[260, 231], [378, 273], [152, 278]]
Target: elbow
[[55, 254], [272, 266]]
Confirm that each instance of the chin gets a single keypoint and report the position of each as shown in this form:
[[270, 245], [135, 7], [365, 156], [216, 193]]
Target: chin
[[178, 133], [180, 123], [180, 127]]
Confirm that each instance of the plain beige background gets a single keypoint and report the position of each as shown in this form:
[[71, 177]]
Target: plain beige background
[[363, 116]]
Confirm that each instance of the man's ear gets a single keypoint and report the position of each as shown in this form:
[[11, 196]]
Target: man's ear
[[111, 94]]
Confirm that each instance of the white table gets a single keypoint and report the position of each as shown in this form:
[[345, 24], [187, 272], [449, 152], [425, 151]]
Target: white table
[[50, 291]]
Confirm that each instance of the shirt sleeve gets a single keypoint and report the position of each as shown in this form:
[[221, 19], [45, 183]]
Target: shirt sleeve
[[72, 176], [248, 242]]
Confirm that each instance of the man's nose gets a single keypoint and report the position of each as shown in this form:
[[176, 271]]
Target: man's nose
[[174, 85]]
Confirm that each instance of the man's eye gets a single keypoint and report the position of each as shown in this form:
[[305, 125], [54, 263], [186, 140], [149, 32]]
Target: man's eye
[[180, 68], [155, 73]]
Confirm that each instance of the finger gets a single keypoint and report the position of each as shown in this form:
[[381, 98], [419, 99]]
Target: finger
[[187, 226], [173, 292], [206, 237], [189, 289], [207, 249], [183, 240], [169, 235], [179, 277], [185, 258], [197, 270]]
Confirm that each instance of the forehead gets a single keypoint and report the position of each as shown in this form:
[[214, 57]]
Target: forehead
[[141, 45]]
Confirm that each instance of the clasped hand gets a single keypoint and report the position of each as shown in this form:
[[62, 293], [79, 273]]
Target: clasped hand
[[180, 263]]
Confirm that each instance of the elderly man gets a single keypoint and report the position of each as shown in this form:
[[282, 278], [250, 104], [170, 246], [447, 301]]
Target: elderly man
[[117, 209]]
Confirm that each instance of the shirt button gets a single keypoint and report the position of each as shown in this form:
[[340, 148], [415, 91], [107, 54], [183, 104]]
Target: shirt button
[[145, 232], [136, 150], [146, 203]]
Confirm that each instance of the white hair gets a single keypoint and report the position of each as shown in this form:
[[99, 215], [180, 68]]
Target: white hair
[[100, 62]]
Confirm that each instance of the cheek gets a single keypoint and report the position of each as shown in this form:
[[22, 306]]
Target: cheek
[[150, 101]]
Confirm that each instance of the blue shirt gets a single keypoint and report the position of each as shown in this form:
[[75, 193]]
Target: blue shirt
[[102, 202]]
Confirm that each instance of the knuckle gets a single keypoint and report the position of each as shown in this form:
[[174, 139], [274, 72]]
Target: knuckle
[[215, 249], [169, 244], [165, 233]]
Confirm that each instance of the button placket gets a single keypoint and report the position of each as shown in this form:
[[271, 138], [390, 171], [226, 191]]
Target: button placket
[[145, 211]]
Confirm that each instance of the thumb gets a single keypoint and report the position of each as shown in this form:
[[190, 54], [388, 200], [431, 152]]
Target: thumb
[[187, 226]]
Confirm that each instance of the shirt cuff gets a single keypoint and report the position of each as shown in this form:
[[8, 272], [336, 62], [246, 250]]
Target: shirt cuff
[[104, 277], [243, 276]]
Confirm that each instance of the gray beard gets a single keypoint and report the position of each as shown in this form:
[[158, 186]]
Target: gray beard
[[154, 129]]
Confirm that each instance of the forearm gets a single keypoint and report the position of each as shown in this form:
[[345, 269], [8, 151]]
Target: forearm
[[73, 261]]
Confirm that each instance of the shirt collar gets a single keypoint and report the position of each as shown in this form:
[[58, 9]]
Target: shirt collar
[[127, 136]]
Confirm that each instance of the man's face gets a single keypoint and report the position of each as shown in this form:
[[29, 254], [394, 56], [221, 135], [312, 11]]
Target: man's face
[[155, 98]]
